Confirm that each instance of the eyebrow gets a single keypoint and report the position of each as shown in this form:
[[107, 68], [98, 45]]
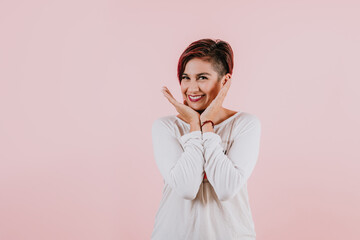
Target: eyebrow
[[203, 73]]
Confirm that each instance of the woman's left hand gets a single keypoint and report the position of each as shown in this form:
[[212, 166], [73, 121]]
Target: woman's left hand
[[212, 110]]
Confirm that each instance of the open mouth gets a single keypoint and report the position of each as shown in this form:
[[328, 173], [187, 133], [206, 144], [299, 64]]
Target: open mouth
[[195, 99]]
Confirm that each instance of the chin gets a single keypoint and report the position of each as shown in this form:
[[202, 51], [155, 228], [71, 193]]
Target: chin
[[198, 108]]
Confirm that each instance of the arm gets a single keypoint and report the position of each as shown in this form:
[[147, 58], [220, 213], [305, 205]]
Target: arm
[[180, 161], [228, 173]]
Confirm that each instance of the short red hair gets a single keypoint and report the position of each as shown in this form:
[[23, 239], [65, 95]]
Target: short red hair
[[218, 52]]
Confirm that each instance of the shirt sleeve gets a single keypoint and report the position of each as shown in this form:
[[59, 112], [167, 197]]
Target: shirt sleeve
[[179, 160], [228, 173]]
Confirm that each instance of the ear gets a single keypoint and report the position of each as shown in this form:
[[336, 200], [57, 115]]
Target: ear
[[226, 78]]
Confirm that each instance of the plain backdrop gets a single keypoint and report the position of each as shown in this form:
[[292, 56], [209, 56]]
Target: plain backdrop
[[80, 88]]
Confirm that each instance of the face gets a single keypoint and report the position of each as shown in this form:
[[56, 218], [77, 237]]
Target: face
[[200, 79]]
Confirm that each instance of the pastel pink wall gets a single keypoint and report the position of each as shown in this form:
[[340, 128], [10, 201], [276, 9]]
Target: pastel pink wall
[[80, 87]]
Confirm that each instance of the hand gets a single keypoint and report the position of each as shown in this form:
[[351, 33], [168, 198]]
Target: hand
[[212, 110], [189, 114]]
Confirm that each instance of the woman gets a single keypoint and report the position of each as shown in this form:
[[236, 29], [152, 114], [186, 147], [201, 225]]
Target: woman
[[206, 153]]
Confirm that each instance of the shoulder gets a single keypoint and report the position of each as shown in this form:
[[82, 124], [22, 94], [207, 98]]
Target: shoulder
[[246, 120], [247, 117], [164, 123]]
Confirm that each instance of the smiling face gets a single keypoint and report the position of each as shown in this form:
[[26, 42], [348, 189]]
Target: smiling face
[[200, 79]]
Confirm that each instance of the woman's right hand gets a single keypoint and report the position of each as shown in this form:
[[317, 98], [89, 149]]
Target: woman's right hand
[[186, 112]]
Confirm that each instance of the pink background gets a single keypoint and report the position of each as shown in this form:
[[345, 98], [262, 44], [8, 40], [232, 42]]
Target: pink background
[[80, 87]]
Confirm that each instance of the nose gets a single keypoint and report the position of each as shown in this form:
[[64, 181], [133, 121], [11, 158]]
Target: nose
[[193, 87]]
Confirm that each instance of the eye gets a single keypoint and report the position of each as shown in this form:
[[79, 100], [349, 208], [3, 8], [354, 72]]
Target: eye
[[203, 77]]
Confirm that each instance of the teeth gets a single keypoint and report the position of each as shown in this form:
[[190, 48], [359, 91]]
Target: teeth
[[195, 97]]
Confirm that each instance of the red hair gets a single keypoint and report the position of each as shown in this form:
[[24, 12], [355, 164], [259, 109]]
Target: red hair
[[218, 52]]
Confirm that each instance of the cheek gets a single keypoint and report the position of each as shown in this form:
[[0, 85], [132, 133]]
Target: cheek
[[207, 88], [183, 88]]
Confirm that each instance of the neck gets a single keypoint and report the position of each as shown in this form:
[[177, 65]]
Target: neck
[[220, 116], [200, 111]]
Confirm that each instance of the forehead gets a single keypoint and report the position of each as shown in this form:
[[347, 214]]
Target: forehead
[[197, 65]]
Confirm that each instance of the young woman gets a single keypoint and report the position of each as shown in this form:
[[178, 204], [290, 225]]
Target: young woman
[[206, 153]]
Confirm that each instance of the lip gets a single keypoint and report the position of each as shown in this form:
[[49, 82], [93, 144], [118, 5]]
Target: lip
[[195, 96]]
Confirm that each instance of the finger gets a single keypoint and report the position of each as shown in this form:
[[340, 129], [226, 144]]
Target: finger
[[167, 95], [168, 91], [171, 99], [227, 84], [225, 87], [222, 93]]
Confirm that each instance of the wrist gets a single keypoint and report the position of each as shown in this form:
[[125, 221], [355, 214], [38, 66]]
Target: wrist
[[206, 122], [207, 127], [195, 126]]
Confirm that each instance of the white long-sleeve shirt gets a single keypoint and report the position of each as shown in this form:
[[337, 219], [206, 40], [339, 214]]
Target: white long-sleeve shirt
[[216, 208]]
